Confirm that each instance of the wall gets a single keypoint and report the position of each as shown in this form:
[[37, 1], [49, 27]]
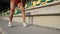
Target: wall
[[49, 21]]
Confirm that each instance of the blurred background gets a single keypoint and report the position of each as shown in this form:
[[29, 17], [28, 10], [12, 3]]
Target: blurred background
[[5, 4]]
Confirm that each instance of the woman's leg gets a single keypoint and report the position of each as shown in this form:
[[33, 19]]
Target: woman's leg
[[23, 13], [12, 8]]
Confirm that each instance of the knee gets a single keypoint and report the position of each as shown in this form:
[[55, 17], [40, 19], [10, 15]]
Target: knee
[[19, 4], [12, 8], [22, 9]]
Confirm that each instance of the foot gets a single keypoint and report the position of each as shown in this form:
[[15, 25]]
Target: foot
[[25, 24], [9, 24]]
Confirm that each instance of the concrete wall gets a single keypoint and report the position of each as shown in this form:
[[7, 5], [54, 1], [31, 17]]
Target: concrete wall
[[49, 21]]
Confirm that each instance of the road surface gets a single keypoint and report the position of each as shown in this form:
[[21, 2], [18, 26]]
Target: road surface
[[32, 29]]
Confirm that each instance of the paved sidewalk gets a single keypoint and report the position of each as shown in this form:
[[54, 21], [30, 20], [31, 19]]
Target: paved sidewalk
[[32, 29], [1, 30]]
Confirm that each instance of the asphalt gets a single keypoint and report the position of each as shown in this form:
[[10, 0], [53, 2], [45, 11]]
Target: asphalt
[[31, 29], [0, 33], [1, 30]]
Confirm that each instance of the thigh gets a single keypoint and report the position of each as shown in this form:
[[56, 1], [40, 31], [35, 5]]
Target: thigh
[[22, 3], [21, 6], [12, 5]]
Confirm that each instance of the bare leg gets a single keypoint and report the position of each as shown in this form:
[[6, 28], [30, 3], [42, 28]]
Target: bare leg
[[12, 8], [23, 13]]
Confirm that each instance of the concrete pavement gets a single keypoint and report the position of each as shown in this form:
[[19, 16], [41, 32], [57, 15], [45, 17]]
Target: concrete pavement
[[32, 29], [1, 30]]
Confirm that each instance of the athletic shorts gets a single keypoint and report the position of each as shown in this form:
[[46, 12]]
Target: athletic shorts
[[19, 1]]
